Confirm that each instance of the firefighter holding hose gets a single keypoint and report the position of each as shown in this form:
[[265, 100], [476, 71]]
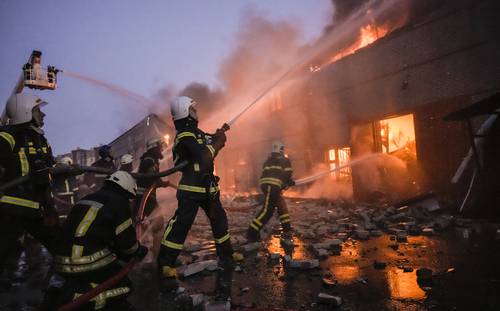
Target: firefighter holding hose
[[197, 188], [276, 176], [97, 234], [24, 151], [150, 163]]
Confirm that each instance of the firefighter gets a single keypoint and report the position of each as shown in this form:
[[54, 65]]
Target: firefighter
[[65, 190], [276, 177], [97, 234], [126, 163], [25, 151], [197, 188], [95, 181], [150, 163]]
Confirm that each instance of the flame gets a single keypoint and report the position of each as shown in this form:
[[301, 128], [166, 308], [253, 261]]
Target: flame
[[367, 35]]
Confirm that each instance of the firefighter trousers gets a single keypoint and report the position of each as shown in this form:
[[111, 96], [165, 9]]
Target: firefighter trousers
[[272, 199], [179, 225]]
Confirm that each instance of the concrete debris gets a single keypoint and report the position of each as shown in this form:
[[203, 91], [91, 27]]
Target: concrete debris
[[375, 233], [252, 247], [362, 234], [321, 252], [192, 247], [305, 264], [334, 301], [329, 244], [202, 254], [210, 265], [428, 231]]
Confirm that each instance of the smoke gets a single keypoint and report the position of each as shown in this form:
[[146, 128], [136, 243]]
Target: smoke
[[207, 99]]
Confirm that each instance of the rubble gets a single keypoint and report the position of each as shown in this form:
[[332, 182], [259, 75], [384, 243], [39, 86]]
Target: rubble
[[362, 234], [334, 301], [305, 264], [251, 247], [197, 267]]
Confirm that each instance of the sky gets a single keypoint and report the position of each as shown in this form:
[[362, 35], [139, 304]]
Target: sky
[[141, 46]]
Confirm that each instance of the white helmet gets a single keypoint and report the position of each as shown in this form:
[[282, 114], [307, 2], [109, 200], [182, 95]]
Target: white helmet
[[124, 180], [278, 146], [153, 142], [66, 161], [180, 108], [19, 108], [126, 159]]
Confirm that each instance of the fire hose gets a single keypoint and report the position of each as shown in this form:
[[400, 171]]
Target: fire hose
[[131, 264], [78, 170]]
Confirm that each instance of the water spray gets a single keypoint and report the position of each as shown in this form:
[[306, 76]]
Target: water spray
[[309, 179], [110, 87]]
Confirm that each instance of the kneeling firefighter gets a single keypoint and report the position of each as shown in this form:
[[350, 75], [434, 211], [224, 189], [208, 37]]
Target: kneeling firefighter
[[276, 176], [197, 188], [97, 234]]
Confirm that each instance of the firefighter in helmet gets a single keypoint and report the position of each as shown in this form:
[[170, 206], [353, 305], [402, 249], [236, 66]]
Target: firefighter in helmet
[[95, 181], [150, 163], [126, 163], [96, 236], [65, 190], [197, 188], [276, 177], [24, 151]]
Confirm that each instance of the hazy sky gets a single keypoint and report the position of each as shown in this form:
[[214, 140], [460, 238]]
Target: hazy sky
[[139, 45]]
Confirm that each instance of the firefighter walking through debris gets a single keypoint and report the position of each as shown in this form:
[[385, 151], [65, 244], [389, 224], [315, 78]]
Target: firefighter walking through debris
[[197, 188], [276, 176], [25, 151], [96, 235]]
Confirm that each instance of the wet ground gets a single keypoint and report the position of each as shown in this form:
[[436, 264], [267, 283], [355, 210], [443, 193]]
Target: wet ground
[[465, 268]]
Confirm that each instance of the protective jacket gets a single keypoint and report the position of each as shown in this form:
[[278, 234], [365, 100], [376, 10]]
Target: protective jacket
[[277, 171], [65, 193], [195, 146], [97, 232], [25, 151]]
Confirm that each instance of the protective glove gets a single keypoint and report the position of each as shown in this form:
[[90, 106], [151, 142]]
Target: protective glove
[[291, 183], [141, 252], [219, 139]]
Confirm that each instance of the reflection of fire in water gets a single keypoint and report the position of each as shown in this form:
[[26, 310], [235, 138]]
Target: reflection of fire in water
[[299, 251], [403, 285], [346, 268]]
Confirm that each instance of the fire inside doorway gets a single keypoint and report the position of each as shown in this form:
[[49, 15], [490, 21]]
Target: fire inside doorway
[[393, 175]]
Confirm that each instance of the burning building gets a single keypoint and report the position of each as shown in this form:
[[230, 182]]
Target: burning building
[[388, 94], [134, 140]]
